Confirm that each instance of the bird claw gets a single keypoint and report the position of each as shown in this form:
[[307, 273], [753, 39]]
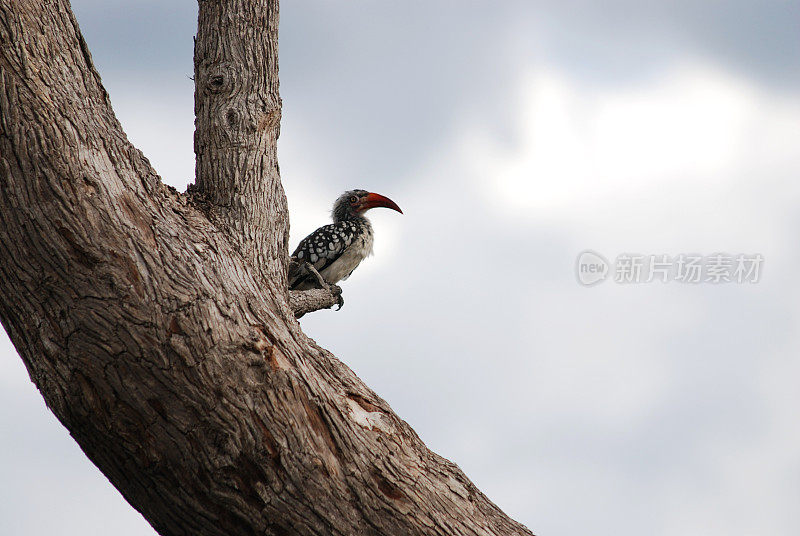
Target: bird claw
[[336, 290]]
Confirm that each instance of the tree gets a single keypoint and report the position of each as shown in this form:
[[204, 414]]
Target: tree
[[158, 326]]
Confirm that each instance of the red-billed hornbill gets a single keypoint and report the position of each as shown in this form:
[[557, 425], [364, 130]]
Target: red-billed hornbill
[[335, 250]]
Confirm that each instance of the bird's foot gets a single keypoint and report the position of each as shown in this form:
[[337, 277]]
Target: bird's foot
[[336, 290], [313, 271]]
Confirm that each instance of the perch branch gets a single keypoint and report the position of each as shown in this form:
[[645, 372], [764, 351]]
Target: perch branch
[[308, 301]]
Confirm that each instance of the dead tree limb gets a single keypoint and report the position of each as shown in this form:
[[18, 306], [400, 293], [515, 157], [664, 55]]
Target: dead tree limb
[[161, 335]]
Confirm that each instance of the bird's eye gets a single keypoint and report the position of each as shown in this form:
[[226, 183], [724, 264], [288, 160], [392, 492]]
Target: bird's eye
[[353, 199]]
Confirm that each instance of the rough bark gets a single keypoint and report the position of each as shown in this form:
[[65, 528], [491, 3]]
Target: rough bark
[[238, 113], [157, 326]]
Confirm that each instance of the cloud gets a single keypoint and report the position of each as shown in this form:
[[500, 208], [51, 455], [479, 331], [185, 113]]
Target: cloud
[[693, 127]]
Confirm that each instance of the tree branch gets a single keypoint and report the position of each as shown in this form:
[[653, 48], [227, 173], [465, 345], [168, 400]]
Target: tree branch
[[308, 301], [238, 109], [162, 336]]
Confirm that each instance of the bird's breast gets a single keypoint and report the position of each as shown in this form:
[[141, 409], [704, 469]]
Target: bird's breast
[[357, 251]]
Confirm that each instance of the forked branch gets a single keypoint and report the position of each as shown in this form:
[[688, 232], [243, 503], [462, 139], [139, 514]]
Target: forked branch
[[163, 337]]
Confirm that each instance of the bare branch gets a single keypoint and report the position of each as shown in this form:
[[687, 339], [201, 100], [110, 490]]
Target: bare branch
[[308, 301]]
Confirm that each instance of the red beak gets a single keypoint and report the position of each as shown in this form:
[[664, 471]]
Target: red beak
[[377, 200]]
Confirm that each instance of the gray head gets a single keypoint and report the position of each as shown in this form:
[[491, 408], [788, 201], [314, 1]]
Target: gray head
[[354, 203]]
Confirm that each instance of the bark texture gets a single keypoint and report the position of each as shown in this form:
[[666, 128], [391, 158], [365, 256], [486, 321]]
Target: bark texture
[[158, 327]]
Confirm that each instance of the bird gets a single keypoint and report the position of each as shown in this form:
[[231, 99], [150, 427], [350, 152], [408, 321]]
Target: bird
[[336, 249]]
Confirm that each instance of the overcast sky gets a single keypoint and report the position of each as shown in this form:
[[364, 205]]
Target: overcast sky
[[515, 135]]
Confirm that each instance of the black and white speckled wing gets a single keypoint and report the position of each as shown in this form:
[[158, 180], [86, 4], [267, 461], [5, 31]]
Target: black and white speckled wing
[[322, 248]]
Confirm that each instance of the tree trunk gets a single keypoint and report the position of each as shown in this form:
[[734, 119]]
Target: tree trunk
[[157, 325]]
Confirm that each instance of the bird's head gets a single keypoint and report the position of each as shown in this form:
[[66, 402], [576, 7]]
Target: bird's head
[[354, 203]]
